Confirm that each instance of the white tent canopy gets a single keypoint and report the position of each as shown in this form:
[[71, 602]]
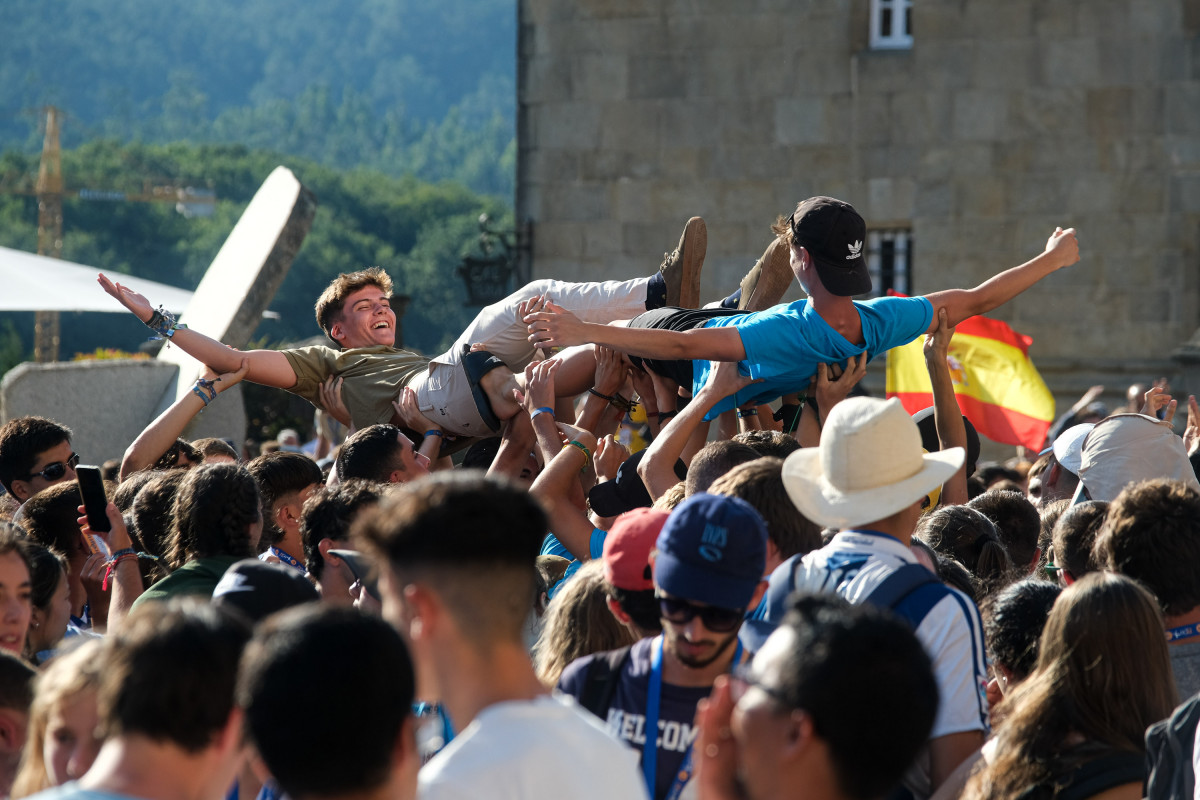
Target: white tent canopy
[[31, 282]]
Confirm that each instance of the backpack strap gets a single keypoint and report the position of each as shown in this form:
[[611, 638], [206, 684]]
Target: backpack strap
[[600, 681], [896, 587]]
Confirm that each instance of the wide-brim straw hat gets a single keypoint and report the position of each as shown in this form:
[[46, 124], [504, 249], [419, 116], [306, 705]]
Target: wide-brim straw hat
[[869, 466]]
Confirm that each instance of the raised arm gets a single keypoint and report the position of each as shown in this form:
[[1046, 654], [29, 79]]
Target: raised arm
[[554, 326], [160, 434], [947, 416], [268, 367], [1062, 250], [568, 522], [657, 468]]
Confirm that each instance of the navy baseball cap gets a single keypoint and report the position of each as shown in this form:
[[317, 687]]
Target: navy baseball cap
[[712, 550]]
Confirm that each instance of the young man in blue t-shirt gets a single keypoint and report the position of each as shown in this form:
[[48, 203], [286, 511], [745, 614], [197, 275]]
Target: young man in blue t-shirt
[[782, 346]]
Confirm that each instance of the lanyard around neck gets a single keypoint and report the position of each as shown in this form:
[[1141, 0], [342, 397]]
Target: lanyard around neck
[[650, 745]]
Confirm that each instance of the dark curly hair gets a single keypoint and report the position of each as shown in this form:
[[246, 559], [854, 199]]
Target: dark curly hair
[[328, 515], [217, 509]]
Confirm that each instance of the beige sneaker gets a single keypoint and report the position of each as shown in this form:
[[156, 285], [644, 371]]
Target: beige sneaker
[[681, 267], [768, 279]]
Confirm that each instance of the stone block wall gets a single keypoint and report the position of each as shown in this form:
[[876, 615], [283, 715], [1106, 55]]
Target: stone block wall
[[106, 404], [1004, 120]]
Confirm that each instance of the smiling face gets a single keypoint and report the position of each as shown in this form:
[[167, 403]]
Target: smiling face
[[15, 603], [366, 320]]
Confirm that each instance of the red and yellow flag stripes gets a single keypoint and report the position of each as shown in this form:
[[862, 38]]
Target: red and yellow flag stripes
[[996, 384]]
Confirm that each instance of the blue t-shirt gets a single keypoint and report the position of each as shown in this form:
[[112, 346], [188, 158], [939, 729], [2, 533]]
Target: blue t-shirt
[[784, 344], [551, 546], [626, 717]]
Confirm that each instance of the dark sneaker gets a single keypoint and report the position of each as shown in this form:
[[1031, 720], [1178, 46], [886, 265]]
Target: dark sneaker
[[768, 279], [681, 268]]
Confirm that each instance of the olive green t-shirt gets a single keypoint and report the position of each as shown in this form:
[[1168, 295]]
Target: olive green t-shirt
[[372, 377]]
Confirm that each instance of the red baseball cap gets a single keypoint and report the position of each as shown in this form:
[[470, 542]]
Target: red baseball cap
[[627, 548]]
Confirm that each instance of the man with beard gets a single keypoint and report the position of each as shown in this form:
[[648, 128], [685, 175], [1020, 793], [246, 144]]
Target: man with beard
[[708, 564]]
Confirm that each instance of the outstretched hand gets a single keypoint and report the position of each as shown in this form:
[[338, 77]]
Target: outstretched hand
[[1191, 434], [724, 379], [539, 385], [833, 383], [127, 297], [551, 325], [1064, 245], [225, 380], [332, 402], [1155, 399], [937, 344]]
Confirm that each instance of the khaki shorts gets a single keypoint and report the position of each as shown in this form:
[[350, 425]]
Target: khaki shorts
[[444, 394]]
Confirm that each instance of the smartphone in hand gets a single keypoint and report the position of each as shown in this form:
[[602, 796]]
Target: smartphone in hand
[[95, 503]]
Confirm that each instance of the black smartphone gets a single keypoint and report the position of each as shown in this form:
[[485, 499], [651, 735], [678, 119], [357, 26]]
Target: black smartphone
[[91, 489]]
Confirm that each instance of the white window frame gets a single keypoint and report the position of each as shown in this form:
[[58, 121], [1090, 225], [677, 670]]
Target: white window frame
[[899, 244], [899, 37]]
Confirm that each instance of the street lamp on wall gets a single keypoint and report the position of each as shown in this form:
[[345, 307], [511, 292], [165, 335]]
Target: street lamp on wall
[[488, 273]]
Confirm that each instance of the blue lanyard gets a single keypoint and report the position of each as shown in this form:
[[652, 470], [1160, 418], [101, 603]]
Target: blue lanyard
[[286, 559], [650, 745], [1183, 632]]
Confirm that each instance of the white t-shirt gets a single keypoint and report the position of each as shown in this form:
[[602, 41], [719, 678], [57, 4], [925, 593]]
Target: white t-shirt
[[853, 565], [529, 750]]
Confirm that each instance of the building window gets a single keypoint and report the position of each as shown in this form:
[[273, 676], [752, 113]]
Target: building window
[[891, 24], [889, 260]]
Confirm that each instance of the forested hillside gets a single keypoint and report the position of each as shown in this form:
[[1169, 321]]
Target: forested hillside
[[416, 230], [398, 114], [402, 86]]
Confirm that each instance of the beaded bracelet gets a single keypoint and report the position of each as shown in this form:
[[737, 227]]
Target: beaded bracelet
[[163, 323]]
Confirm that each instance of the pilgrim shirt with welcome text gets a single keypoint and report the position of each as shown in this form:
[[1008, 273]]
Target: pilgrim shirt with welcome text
[[626, 717]]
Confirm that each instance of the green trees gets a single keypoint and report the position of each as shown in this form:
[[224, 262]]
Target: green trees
[[416, 230], [399, 86]]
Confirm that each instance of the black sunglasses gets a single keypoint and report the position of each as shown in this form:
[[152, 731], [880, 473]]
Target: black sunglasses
[[716, 619], [54, 471]]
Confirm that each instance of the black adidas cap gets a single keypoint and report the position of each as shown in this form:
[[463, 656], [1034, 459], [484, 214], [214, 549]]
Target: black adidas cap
[[833, 233]]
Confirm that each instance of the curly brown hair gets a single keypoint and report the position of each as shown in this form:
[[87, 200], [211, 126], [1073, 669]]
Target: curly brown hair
[[330, 303], [217, 512]]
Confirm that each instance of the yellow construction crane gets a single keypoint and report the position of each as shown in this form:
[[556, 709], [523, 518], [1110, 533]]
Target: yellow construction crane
[[189, 201]]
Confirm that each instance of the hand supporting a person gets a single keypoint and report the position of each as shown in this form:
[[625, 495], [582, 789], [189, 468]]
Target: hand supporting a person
[[833, 382]]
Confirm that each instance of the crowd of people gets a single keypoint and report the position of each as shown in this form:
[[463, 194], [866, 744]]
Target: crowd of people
[[482, 589]]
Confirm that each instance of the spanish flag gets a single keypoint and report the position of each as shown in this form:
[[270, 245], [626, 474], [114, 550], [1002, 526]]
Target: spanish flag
[[996, 384]]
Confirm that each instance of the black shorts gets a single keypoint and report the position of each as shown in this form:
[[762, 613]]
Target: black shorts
[[675, 319]]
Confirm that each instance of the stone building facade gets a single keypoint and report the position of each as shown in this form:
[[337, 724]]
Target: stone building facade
[[963, 148]]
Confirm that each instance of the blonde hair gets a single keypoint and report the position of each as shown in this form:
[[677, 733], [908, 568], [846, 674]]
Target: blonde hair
[[671, 497], [329, 304], [68, 675], [578, 623]]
